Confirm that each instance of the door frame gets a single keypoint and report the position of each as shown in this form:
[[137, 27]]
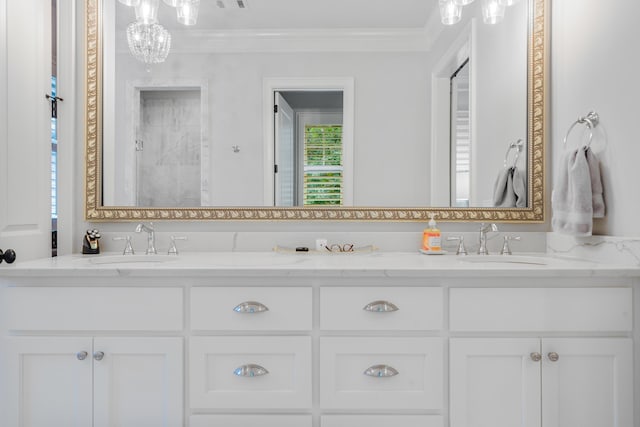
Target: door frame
[[277, 84]]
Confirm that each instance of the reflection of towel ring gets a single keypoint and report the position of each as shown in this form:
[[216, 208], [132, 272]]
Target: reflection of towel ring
[[591, 120], [518, 147]]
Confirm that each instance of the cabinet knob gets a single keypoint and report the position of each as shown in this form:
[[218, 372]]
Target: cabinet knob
[[250, 370], [82, 355], [553, 356], [98, 355], [536, 357], [250, 307], [381, 371], [381, 307]]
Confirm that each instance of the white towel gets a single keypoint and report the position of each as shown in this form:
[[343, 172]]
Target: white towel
[[510, 189], [577, 195]]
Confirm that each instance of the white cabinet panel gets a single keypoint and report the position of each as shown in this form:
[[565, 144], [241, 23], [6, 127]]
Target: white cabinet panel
[[417, 385], [541, 309], [46, 383], [381, 421], [250, 421], [418, 308], [288, 308], [590, 384], [494, 382], [213, 361], [138, 382], [95, 309]]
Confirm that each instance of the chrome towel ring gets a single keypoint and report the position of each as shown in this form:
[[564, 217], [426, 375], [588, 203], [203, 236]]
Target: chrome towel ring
[[591, 120], [513, 146]]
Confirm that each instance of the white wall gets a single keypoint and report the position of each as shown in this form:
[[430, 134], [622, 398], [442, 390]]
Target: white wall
[[595, 66], [391, 118]]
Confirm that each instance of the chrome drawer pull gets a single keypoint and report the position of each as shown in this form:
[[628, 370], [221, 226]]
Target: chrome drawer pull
[[536, 357], [381, 371], [82, 355], [553, 356], [381, 307], [98, 355], [250, 307], [250, 370]]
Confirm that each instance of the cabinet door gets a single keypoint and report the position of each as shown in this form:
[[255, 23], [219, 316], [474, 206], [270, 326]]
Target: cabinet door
[[590, 383], [48, 385], [138, 382], [494, 382]]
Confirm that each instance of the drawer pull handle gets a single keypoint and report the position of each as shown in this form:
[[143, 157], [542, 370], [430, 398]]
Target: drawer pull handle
[[250, 307], [250, 370], [381, 371], [381, 307], [553, 356]]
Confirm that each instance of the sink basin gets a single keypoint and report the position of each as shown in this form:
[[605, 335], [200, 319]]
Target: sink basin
[[506, 259], [133, 259]]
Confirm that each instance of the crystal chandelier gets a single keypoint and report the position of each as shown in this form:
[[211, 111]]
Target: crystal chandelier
[[492, 10], [148, 43]]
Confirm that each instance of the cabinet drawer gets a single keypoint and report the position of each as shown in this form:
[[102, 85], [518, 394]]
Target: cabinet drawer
[[288, 308], [541, 309], [381, 421], [216, 382], [418, 363], [418, 308], [94, 309], [250, 421]]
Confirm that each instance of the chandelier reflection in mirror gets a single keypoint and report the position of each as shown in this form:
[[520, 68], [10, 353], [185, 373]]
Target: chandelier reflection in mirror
[[493, 11], [149, 42]]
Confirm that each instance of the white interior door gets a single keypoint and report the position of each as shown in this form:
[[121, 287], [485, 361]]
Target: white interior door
[[47, 383], [494, 382], [25, 127], [590, 384], [138, 382], [285, 153]]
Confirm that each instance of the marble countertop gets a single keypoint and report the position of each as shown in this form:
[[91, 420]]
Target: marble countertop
[[263, 264]]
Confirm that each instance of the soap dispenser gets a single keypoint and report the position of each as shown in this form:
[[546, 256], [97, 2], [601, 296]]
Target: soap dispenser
[[431, 239]]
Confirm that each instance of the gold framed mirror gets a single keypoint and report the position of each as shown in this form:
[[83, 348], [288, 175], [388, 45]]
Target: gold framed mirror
[[534, 212]]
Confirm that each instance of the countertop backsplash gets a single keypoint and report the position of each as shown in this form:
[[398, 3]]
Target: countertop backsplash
[[266, 241]]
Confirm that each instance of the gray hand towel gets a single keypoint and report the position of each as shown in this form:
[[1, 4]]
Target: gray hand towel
[[503, 194], [520, 188], [596, 184], [510, 189], [577, 195]]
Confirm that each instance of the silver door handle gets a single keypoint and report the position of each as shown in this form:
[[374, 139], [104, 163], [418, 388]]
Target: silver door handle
[[553, 356], [82, 355], [381, 371], [250, 307], [250, 370], [536, 357], [381, 307], [98, 355]]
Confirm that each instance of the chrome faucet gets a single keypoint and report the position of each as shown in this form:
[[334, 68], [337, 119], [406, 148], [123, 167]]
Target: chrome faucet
[[151, 237], [484, 229]]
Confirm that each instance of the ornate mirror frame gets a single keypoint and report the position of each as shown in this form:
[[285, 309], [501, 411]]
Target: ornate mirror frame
[[536, 121]]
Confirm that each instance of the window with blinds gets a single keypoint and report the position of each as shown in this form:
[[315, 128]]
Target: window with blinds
[[323, 168]]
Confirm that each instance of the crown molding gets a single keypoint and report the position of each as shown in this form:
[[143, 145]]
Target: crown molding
[[299, 40]]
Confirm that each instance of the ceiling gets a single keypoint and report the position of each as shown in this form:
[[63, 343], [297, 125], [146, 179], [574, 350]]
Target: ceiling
[[300, 14]]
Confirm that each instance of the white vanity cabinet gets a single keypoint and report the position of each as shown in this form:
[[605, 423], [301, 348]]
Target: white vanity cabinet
[[91, 356], [324, 346], [556, 378]]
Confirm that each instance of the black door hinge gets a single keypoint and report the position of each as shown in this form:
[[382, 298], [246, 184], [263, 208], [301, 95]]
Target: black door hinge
[[275, 108], [275, 168]]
